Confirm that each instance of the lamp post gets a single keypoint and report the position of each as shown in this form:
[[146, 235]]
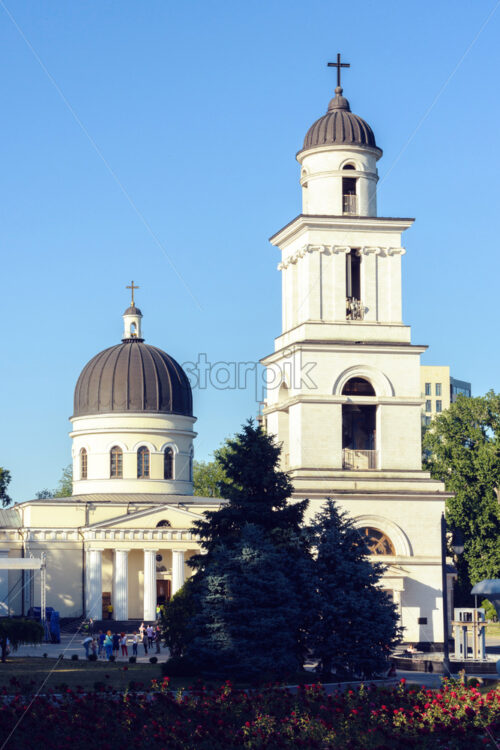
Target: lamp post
[[457, 545]]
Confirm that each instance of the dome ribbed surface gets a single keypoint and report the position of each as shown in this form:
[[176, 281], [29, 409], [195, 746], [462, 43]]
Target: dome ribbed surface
[[339, 126], [135, 377]]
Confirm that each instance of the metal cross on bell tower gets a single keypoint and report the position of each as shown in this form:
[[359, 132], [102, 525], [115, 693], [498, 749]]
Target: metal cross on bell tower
[[338, 65], [133, 287]]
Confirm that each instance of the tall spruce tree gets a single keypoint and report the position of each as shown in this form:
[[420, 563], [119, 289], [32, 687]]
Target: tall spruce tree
[[257, 530], [246, 626], [354, 624]]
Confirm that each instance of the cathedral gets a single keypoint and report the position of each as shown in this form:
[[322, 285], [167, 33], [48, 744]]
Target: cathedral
[[344, 401]]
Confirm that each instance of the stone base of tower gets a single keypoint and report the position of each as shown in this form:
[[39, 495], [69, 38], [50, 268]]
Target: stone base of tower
[[400, 513]]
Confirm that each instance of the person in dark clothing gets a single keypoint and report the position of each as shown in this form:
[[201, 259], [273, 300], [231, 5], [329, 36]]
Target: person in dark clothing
[[116, 644]]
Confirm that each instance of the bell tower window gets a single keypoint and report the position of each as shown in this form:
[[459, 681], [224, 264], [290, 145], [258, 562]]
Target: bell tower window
[[349, 198], [354, 308], [359, 426]]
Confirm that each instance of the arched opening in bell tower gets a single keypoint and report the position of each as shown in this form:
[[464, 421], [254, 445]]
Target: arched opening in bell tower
[[354, 307], [359, 447], [349, 199]]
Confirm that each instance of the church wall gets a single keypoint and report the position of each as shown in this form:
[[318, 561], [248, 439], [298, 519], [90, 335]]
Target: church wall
[[55, 515], [399, 437], [64, 577]]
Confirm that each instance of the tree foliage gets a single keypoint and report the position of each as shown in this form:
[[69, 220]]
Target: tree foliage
[[256, 528], [462, 448], [354, 624], [176, 618], [18, 632], [247, 624], [207, 476], [5, 478], [64, 486]]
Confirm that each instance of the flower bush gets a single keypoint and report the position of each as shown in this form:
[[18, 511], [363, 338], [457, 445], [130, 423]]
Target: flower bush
[[369, 717]]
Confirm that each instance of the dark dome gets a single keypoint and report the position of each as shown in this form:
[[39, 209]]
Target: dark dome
[[133, 376], [339, 126], [133, 310]]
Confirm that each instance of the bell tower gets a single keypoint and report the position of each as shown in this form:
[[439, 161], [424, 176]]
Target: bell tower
[[343, 392]]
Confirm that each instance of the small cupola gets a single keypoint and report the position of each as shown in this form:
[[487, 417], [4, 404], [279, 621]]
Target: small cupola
[[132, 320]]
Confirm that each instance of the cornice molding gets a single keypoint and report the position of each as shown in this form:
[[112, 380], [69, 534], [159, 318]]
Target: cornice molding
[[337, 250]]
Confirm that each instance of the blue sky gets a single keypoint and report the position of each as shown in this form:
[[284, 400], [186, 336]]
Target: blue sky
[[139, 138]]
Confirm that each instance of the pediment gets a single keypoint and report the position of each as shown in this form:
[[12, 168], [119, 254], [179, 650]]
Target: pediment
[[150, 517]]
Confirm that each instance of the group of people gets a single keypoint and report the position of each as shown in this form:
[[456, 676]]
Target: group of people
[[109, 644]]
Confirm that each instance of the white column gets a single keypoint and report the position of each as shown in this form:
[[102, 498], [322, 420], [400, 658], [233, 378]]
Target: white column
[[177, 570], [150, 584], [120, 584], [93, 589], [4, 585]]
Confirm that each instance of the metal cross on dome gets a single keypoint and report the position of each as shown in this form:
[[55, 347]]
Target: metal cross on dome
[[132, 287], [339, 65]]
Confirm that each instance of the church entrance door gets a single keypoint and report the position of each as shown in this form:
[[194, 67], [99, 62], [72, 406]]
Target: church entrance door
[[162, 592]]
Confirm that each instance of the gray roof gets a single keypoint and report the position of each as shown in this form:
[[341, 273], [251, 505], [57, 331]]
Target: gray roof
[[132, 498], [133, 376], [9, 518], [339, 126], [133, 310]]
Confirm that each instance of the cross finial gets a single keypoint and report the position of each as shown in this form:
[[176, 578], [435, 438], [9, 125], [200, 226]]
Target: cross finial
[[338, 65], [133, 287]]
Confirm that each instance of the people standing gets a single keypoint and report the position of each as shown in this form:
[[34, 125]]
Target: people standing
[[86, 645], [145, 644], [123, 644], [135, 640], [100, 642], [109, 610], [141, 630], [93, 647], [150, 633], [108, 645], [116, 644], [158, 639]]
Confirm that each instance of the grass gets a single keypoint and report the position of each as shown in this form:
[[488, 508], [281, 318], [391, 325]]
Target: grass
[[30, 672]]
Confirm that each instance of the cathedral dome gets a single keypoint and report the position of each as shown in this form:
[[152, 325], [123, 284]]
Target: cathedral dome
[[339, 127], [133, 377]]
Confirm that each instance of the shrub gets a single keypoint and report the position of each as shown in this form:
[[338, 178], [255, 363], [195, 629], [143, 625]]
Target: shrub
[[178, 666], [74, 657], [153, 659], [132, 659]]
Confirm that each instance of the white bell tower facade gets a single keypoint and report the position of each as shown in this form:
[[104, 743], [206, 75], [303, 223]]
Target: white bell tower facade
[[344, 394]]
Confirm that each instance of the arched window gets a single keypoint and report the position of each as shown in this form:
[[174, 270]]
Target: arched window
[[358, 387], [168, 463], [163, 523], [133, 329], [83, 464], [349, 166], [143, 463], [116, 462], [377, 542]]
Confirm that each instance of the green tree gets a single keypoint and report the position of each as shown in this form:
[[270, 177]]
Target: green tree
[[207, 476], [246, 625], [354, 625], [18, 632], [65, 485], [44, 494], [257, 495], [176, 618], [462, 448], [4, 483]]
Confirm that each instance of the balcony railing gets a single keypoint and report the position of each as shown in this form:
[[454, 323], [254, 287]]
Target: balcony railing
[[354, 308], [350, 204], [352, 458]]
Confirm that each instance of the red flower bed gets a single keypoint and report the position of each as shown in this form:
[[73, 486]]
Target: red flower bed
[[451, 718]]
